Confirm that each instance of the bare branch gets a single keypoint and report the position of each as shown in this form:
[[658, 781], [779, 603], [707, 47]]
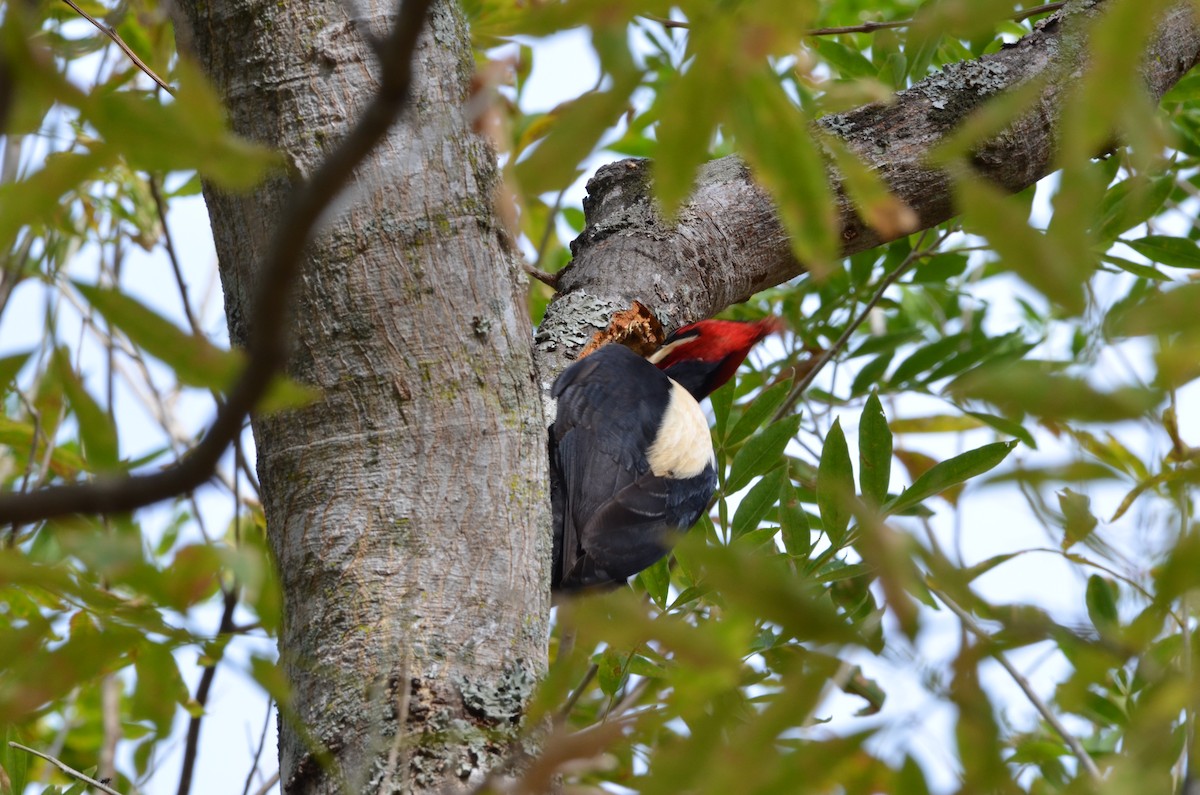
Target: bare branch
[[871, 27], [968, 621], [258, 750], [268, 784], [160, 207], [110, 710], [70, 771], [107, 30], [191, 747], [268, 342]]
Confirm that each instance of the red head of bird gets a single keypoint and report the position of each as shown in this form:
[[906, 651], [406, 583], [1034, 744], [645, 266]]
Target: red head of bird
[[704, 355]]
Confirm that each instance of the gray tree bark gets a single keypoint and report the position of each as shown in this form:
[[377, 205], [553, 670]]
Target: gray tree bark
[[407, 508]]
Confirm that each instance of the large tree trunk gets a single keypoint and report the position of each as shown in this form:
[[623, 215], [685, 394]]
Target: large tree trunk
[[406, 508]]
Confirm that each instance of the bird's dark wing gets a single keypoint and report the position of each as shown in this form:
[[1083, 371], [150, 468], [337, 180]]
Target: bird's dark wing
[[612, 514], [608, 406], [647, 511]]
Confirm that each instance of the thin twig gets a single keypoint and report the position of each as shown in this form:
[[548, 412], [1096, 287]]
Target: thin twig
[[268, 339], [191, 748], [266, 787], [549, 279], [968, 621], [107, 30], [169, 244], [1045, 8], [110, 711], [871, 27], [1189, 716], [804, 383], [628, 702], [576, 694], [70, 771], [262, 741]]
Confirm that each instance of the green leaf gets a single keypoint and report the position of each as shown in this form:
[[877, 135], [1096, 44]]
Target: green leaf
[[657, 581], [940, 268], [937, 423], [159, 687], [195, 360], [877, 206], [97, 431], [871, 374], [948, 474], [793, 523], [284, 393], [835, 485], [1029, 387], [721, 402], [1137, 268], [1164, 312], [1078, 522], [874, 452], [577, 128], [9, 367], [39, 198], [1039, 259], [754, 507], [984, 566], [1131, 202], [1102, 597], [850, 63], [690, 111], [756, 412], [14, 761], [187, 132], [1005, 426], [926, 357], [1176, 252], [610, 670], [761, 453]]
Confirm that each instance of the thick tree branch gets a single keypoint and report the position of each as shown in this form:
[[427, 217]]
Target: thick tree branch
[[728, 244], [268, 341]]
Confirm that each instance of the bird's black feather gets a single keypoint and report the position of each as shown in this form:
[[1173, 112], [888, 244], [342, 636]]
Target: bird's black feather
[[612, 516]]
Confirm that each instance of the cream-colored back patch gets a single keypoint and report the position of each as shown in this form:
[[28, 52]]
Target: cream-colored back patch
[[683, 446]]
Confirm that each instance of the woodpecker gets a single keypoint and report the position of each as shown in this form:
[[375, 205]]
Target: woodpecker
[[631, 457]]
